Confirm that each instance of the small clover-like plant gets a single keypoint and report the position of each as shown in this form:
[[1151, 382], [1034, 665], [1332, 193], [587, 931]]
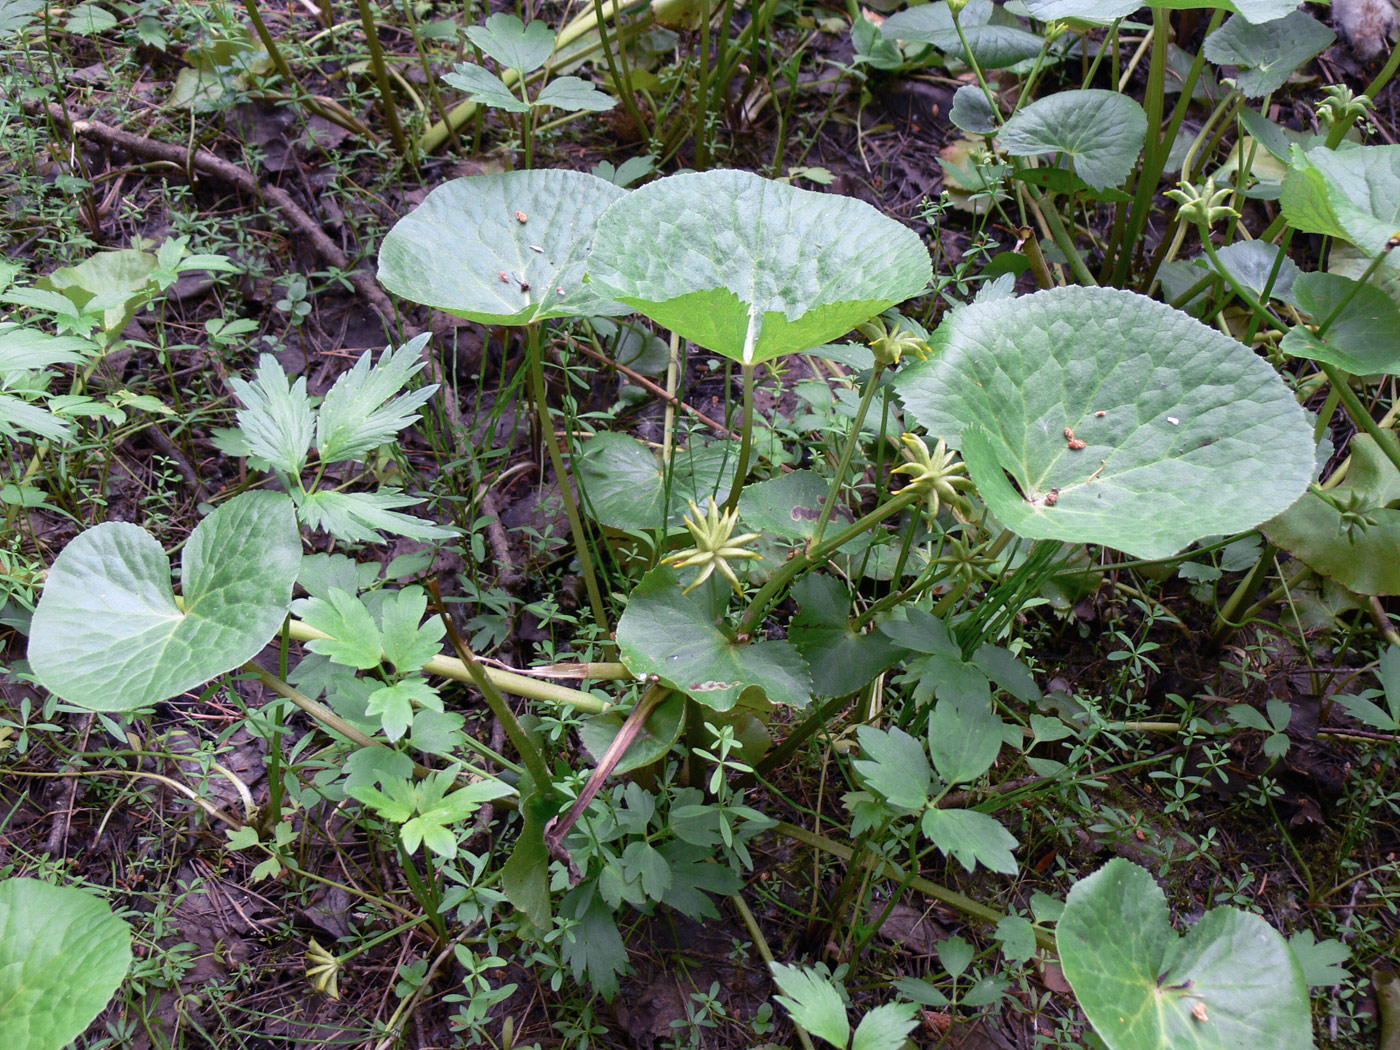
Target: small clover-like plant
[[427, 811]]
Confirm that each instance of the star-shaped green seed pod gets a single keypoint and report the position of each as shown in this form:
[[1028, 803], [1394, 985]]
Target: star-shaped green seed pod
[[1203, 205], [940, 474], [323, 970], [715, 546], [889, 346]]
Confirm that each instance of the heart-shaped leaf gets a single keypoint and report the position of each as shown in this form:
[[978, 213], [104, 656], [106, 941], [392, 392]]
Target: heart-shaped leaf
[[1360, 340], [627, 487], [1100, 131], [62, 955], [1360, 559], [1230, 982], [665, 633], [1267, 53], [1185, 433], [108, 634], [661, 729], [513, 43], [1108, 10], [501, 249], [751, 268], [1353, 194], [994, 38]]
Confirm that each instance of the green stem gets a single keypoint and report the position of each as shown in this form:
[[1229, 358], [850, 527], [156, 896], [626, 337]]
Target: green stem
[[381, 78], [766, 953], [505, 681], [1375, 86], [1225, 620], [852, 439], [815, 555], [529, 753], [883, 869], [1360, 415], [1154, 163], [745, 440], [535, 352]]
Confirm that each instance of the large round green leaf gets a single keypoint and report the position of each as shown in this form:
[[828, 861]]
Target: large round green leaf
[[1269, 52], [627, 487], [1353, 194], [1108, 10], [1361, 338], [1364, 558], [62, 955], [1100, 131], [1186, 432], [1231, 983], [501, 249], [752, 268], [665, 633], [995, 38], [108, 633]]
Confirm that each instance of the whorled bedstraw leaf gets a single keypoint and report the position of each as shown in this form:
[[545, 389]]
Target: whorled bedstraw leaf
[[365, 409], [108, 633], [813, 1002], [1362, 338], [573, 94], [665, 633], [1230, 982], [995, 38], [1120, 420], [1268, 52], [751, 268], [501, 249], [512, 43], [276, 420], [1101, 132], [484, 88], [62, 956]]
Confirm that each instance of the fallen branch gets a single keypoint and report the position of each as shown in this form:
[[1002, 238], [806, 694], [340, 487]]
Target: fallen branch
[[202, 160]]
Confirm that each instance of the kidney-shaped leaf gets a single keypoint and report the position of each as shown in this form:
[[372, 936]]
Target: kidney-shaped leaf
[[1267, 53], [1353, 194], [665, 633], [108, 634], [751, 268], [1101, 131], [1108, 10], [1186, 433], [501, 249], [628, 488], [62, 955], [1231, 982], [995, 38], [1361, 338], [1360, 559]]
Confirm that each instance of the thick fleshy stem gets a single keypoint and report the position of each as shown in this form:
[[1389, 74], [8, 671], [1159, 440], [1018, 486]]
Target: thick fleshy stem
[[535, 352]]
